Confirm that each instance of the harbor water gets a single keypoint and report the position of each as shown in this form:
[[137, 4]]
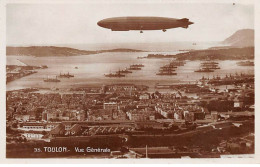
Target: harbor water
[[90, 70]]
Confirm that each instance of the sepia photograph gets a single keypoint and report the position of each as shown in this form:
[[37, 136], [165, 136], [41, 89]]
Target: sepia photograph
[[130, 80]]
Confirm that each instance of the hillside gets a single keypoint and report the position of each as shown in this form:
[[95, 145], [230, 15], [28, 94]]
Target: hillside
[[46, 51], [241, 38], [218, 54], [212, 54], [122, 50]]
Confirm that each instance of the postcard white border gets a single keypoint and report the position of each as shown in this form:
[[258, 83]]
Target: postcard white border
[[3, 159]]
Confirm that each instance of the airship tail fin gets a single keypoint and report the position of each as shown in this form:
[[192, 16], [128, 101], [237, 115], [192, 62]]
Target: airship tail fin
[[184, 20]]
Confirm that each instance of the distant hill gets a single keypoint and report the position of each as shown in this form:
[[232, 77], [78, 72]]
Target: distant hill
[[46, 51], [241, 38], [244, 53], [122, 50]]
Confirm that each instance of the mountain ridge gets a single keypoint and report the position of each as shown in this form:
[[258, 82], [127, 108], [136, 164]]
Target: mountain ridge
[[241, 38]]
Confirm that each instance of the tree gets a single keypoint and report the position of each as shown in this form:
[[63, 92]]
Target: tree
[[44, 132], [14, 125]]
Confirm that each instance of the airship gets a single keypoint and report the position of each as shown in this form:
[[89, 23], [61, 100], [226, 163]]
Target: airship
[[143, 23]]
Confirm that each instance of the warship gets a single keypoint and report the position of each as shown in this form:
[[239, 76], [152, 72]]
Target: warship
[[116, 75], [68, 75], [51, 79], [231, 79], [125, 71], [213, 68], [170, 69], [134, 68], [167, 68], [177, 63], [166, 73], [245, 63], [137, 65], [209, 62], [204, 70]]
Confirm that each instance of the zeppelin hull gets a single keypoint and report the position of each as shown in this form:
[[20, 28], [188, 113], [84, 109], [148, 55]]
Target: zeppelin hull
[[143, 23]]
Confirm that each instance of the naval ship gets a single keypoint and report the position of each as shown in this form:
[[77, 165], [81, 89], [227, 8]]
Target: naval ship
[[137, 65], [204, 70], [245, 63], [135, 68], [177, 63], [166, 73], [51, 79], [116, 75], [209, 62], [125, 71], [68, 75], [170, 69]]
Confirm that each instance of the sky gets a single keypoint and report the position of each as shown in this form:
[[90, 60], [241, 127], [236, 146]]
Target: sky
[[50, 24]]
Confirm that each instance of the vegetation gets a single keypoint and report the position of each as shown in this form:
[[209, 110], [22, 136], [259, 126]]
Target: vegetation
[[48, 51], [212, 54]]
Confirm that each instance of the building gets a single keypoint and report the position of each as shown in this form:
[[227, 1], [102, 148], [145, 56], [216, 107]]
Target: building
[[50, 126], [149, 124], [110, 106], [74, 130], [199, 115], [120, 88], [33, 136], [214, 115], [144, 96], [189, 116], [58, 130], [238, 104], [22, 118], [32, 127]]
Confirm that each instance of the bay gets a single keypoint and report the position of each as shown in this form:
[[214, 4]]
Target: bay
[[91, 70]]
